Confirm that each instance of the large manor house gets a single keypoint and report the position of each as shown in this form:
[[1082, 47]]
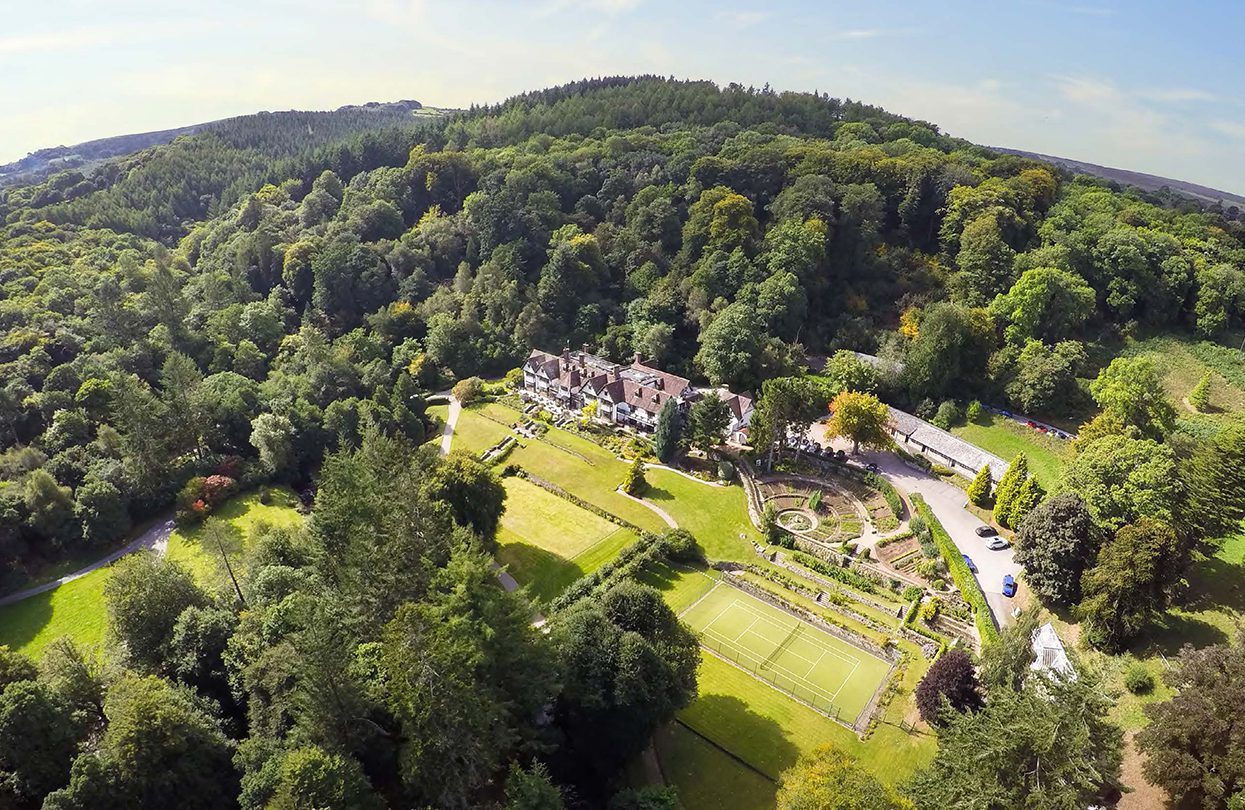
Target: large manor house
[[630, 396]]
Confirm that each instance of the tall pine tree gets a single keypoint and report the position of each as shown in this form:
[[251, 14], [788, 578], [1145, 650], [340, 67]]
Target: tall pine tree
[[666, 436]]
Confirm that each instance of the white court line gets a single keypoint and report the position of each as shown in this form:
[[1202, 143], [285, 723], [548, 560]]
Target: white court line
[[774, 623], [845, 680], [812, 687], [746, 630], [814, 666], [703, 598]]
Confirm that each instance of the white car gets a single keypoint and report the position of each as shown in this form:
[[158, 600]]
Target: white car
[[996, 544]]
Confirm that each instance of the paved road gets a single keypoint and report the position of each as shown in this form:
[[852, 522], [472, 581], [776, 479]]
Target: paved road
[[948, 502], [156, 537], [451, 419]]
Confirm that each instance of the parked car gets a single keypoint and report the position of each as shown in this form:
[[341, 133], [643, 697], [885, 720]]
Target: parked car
[[996, 544], [1009, 585], [871, 467], [972, 566], [986, 531]]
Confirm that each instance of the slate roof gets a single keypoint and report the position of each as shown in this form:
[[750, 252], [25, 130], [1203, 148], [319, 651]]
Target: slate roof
[[968, 455]]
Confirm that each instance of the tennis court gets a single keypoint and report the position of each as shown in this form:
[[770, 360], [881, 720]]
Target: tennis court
[[822, 670]]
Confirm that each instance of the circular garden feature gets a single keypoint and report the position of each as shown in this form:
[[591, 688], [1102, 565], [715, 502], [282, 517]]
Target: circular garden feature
[[797, 520]]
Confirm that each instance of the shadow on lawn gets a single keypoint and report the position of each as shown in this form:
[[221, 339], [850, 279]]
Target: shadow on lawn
[[1219, 584], [546, 574], [1178, 629], [755, 741], [21, 621]]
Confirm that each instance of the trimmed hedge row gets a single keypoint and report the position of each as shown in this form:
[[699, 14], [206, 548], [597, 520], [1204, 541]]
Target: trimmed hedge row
[[845, 575], [888, 492], [960, 575], [629, 561]]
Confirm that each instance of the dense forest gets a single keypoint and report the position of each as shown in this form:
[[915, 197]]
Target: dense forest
[[271, 303]]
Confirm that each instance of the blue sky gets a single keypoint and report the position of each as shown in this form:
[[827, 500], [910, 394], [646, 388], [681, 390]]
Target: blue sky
[[1149, 86]]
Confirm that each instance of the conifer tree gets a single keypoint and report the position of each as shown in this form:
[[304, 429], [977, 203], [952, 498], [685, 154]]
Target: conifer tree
[[666, 435], [1199, 397], [1028, 496], [979, 490], [1008, 486], [634, 484]]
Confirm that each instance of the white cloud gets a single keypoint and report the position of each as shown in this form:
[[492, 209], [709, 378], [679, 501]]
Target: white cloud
[[869, 33]]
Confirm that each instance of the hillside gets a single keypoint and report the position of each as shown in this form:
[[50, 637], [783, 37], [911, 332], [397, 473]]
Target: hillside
[[274, 303], [1147, 182], [42, 163]]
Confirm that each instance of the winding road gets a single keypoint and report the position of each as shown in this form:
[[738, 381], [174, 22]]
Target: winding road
[[156, 537]]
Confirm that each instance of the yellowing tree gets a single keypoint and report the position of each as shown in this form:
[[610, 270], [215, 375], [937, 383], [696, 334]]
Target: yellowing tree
[[859, 417]]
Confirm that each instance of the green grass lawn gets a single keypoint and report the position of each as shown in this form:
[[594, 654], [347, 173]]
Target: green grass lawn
[[680, 586], [769, 730], [1005, 438], [573, 463], [76, 609], [1183, 361], [706, 777], [717, 516], [548, 542], [244, 514]]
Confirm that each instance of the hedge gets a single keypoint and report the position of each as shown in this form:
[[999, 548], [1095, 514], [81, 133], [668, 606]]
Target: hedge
[[960, 575], [888, 492], [843, 574]]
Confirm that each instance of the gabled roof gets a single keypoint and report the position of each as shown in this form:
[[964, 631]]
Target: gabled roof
[[1050, 655]]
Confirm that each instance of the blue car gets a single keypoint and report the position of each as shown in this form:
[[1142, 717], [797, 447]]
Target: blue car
[[972, 566], [1009, 585]]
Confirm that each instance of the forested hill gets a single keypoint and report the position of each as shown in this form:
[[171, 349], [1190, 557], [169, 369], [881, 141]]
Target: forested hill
[[180, 175], [249, 294]]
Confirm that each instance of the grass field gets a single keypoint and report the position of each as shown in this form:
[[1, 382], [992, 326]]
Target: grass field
[[716, 515], [1005, 438], [573, 463], [817, 667], [548, 542], [76, 609], [707, 777]]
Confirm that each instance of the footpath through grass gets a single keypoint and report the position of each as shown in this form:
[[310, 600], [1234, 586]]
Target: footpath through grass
[[1005, 438], [77, 610], [548, 542]]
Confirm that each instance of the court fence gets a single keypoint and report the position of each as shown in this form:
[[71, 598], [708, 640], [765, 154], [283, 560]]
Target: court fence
[[761, 670]]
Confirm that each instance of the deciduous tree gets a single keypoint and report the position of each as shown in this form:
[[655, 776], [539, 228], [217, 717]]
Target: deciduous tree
[[950, 678], [1055, 543], [860, 417]]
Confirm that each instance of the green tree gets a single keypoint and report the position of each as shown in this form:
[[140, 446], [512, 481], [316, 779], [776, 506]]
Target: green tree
[[1056, 543], [845, 371], [827, 778], [667, 433], [979, 489], [860, 417], [161, 749], [1193, 742], [730, 347], [273, 436], [948, 353], [1026, 499], [985, 261], [1049, 744], [472, 491], [50, 507], [1122, 479], [1045, 303], [532, 789], [1009, 486], [312, 777], [1199, 397], [707, 421], [1131, 388], [1130, 583], [628, 665], [144, 596], [39, 737], [634, 483], [1044, 377], [102, 510]]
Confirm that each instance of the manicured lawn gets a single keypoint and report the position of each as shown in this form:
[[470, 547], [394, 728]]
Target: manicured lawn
[[577, 465], [1005, 438], [548, 542], [75, 609], [717, 516], [705, 776], [1182, 362], [244, 514], [769, 730], [680, 586]]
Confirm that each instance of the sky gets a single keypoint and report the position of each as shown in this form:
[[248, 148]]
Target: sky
[[1148, 86]]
